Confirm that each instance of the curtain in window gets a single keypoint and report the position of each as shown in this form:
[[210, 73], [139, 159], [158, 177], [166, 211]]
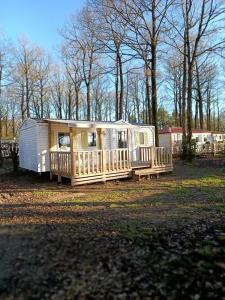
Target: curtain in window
[[136, 138], [84, 140]]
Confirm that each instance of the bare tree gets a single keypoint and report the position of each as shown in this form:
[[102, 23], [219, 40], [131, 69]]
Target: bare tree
[[146, 22], [57, 91], [26, 56], [74, 74], [80, 37], [199, 23], [41, 89]]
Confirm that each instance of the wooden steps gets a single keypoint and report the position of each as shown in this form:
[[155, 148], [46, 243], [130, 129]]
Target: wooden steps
[[137, 173]]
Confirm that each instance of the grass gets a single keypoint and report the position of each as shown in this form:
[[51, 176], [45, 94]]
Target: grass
[[205, 250], [133, 231]]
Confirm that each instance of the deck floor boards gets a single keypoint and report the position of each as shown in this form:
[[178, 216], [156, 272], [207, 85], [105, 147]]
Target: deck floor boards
[[140, 164]]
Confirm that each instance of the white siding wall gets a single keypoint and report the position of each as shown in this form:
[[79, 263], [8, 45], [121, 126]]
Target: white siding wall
[[43, 148], [28, 146], [202, 137], [150, 130], [33, 146]]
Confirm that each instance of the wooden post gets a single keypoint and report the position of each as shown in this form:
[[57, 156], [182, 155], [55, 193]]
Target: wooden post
[[152, 157], [128, 146], [103, 153], [72, 171], [49, 149], [58, 168]]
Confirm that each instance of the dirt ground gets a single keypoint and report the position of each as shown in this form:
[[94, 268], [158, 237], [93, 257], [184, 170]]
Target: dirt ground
[[153, 239]]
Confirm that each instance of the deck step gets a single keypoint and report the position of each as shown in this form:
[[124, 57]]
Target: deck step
[[136, 174]]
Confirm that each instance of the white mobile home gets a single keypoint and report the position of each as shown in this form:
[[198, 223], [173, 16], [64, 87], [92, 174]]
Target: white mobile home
[[172, 136], [206, 141], [218, 137], [88, 151]]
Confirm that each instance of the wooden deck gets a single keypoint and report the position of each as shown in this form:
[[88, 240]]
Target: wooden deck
[[84, 167], [139, 164]]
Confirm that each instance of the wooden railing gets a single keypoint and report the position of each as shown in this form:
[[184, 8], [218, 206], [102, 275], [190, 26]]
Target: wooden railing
[[117, 160], [204, 148], [60, 163], [212, 148], [176, 150], [90, 162], [156, 156], [219, 147]]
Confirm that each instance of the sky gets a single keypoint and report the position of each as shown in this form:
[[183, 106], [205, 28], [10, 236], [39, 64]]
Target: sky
[[38, 20]]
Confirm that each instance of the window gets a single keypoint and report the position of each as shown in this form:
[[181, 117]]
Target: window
[[197, 139], [142, 138], [92, 139], [122, 139], [64, 140], [205, 139]]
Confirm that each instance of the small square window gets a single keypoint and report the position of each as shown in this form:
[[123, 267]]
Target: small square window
[[92, 139], [122, 139], [63, 140], [142, 138]]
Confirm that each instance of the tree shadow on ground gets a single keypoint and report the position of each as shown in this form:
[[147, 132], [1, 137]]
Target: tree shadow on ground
[[165, 245]]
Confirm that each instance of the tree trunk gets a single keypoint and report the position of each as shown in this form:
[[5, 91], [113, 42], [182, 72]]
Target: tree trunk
[[147, 91], [88, 102], [189, 112], [184, 87], [117, 87], [121, 87], [77, 93], [22, 104], [27, 99], [200, 99], [208, 109], [218, 114], [153, 75], [196, 113]]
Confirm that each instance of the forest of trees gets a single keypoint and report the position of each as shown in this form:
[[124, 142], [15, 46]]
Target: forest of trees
[[156, 62]]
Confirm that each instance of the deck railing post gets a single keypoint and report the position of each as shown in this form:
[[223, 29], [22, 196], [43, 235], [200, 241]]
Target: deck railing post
[[103, 154], [129, 160], [152, 158], [58, 168], [50, 164], [72, 158], [170, 156], [140, 153]]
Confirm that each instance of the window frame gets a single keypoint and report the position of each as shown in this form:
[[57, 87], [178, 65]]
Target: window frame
[[143, 135], [93, 135], [63, 135], [119, 139]]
